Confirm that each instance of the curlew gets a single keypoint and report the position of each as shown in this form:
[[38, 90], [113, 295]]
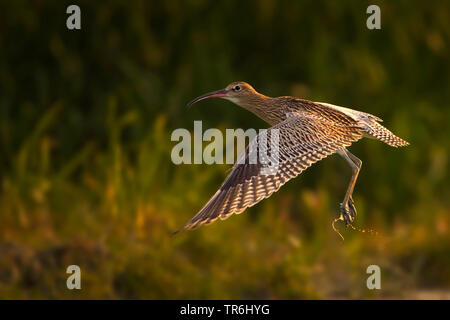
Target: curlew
[[306, 132]]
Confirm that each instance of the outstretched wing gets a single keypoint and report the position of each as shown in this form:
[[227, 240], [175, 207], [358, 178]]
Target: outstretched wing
[[303, 139]]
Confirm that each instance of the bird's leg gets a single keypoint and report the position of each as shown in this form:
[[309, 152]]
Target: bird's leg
[[348, 210]]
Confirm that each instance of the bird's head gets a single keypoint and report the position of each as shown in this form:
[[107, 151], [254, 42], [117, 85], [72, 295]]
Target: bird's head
[[237, 92]]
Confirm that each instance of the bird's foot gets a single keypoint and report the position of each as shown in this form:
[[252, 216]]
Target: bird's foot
[[348, 212]]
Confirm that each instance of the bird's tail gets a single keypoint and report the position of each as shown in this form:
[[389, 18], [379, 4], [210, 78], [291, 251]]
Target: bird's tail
[[377, 131]]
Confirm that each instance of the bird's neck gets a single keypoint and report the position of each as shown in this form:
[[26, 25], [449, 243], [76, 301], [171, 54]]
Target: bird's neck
[[262, 106]]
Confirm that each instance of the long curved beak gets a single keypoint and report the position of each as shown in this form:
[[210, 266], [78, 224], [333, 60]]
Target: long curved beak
[[214, 94]]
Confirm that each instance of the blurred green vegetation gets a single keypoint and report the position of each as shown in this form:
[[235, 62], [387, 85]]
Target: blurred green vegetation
[[85, 170]]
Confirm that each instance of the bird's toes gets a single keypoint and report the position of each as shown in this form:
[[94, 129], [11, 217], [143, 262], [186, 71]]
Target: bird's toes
[[352, 209], [347, 212]]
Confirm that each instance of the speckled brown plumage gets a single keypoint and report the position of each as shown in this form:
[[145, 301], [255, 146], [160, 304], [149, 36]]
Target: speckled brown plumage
[[307, 132]]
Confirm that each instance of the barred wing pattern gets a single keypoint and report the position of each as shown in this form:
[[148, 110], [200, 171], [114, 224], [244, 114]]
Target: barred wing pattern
[[369, 122], [303, 139], [376, 131]]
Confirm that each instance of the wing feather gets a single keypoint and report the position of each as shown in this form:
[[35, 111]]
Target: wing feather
[[303, 140]]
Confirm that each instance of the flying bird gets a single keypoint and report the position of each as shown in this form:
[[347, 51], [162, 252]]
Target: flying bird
[[307, 132]]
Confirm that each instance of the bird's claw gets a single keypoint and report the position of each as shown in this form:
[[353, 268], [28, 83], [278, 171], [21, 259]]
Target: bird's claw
[[347, 212]]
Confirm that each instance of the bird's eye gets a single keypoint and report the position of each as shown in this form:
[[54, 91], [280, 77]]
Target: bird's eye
[[237, 88]]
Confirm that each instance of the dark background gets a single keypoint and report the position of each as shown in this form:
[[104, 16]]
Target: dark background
[[86, 176]]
